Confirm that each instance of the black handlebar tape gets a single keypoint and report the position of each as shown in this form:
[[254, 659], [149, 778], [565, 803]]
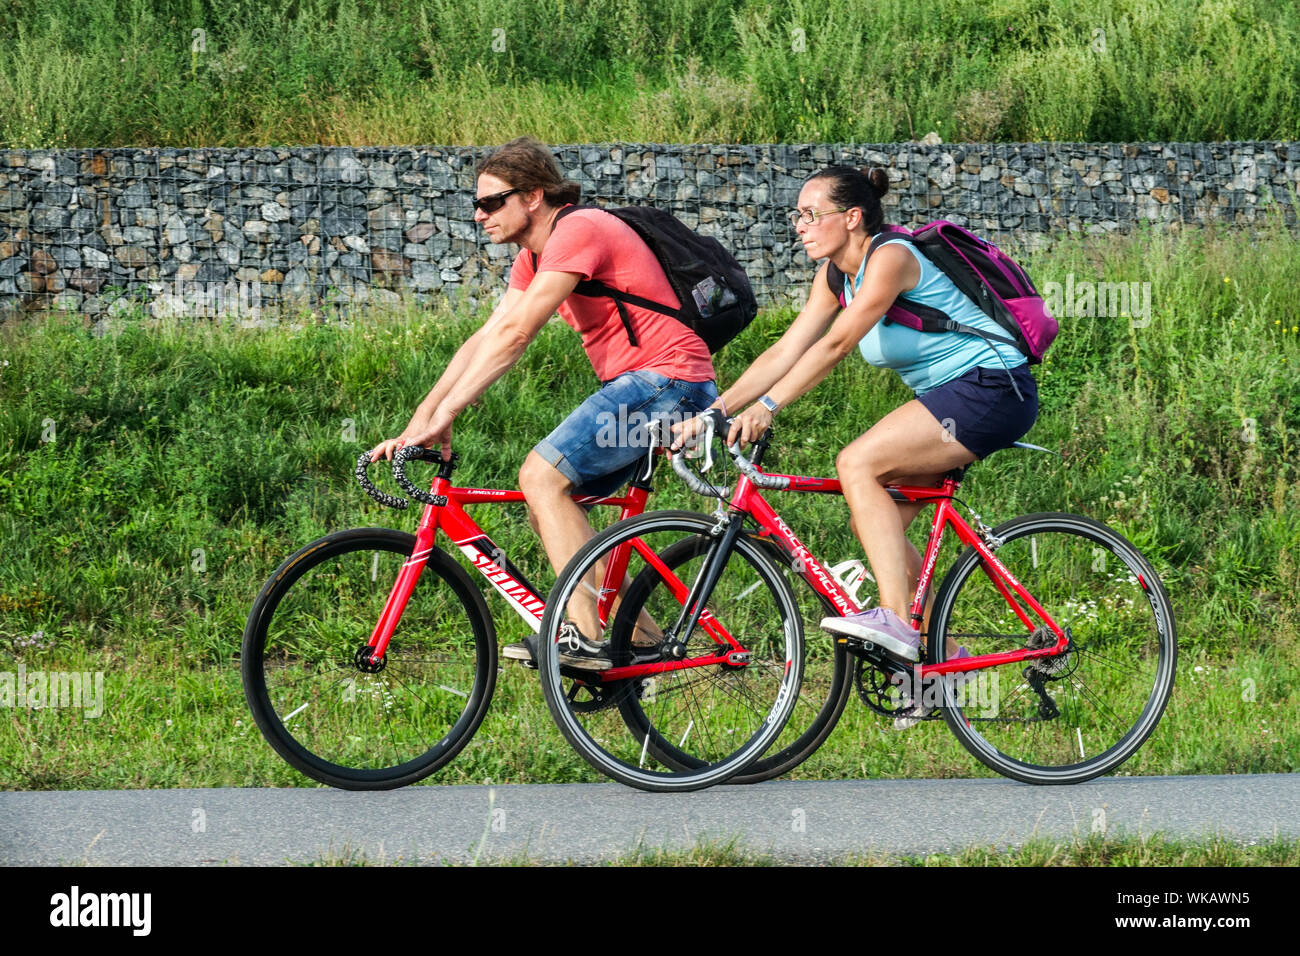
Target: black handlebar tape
[[414, 453], [388, 501]]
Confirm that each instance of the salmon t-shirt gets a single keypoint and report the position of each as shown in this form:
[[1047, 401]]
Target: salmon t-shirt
[[596, 245]]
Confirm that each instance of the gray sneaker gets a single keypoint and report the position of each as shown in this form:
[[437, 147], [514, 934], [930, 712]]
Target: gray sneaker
[[879, 626]]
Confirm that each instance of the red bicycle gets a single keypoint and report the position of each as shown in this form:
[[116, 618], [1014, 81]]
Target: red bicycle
[[1069, 631], [369, 657]]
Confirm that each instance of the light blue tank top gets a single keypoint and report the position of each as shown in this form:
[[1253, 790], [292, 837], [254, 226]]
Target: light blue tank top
[[926, 360]]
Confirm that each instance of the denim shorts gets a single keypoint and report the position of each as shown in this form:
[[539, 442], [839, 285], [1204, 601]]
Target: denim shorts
[[602, 444], [980, 409]]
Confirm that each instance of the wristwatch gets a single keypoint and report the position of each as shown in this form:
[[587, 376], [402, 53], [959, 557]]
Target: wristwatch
[[767, 403]]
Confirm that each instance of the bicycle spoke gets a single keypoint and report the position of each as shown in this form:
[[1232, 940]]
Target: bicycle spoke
[[1106, 703]]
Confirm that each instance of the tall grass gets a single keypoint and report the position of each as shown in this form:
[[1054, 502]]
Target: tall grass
[[119, 72], [153, 477]]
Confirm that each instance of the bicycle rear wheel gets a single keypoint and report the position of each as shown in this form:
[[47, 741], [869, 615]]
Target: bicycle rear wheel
[[1072, 717], [690, 724], [341, 720]]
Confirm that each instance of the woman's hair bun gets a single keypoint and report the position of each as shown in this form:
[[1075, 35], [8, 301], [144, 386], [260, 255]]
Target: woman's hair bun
[[879, 180]]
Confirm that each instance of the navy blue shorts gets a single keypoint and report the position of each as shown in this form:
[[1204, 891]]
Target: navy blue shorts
[[981, 410], [602, 444]]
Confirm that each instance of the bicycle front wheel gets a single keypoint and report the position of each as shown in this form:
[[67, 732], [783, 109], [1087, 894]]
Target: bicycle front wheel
[[680, 711], [328, 711], [1075, 716]]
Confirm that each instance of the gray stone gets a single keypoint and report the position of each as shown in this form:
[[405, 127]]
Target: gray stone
[[213, 272], [94, 257], [177, 229], [341, 167], [342, 222], [56, 194], [274, 212], [47, 218], [137, 194], [296, 282], [66, 257]]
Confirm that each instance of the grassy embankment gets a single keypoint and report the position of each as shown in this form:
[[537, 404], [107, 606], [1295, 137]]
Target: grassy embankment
[[152, 478], [98, 73]]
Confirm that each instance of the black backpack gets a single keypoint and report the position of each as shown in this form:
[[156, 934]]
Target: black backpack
[[717, 299]]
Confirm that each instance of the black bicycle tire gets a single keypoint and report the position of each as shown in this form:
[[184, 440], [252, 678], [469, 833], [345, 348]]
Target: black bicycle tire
[[964, 729], [262, 615], [684, 778]]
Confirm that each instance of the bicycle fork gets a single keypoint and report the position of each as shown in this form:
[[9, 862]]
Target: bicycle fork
[[370, 656], [714, 562]]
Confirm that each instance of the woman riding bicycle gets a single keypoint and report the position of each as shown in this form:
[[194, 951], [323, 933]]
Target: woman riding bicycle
[[973, 397]]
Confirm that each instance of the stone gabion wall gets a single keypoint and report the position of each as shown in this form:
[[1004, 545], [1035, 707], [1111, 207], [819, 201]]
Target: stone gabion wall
[[254, 231]]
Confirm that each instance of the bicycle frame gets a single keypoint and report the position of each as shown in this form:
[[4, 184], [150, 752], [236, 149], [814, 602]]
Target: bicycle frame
[[748, 500], [448, 514]]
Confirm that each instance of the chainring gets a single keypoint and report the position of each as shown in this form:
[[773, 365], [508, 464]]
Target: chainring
[[878, 689]]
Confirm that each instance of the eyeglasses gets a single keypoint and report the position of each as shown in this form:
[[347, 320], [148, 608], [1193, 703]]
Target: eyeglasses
[[490, 204], [810, 216]]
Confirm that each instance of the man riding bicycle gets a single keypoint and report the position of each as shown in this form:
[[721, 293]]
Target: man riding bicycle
[[650, 365]]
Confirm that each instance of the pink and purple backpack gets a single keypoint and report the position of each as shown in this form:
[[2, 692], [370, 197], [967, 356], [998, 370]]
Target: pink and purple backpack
[[983, 273]]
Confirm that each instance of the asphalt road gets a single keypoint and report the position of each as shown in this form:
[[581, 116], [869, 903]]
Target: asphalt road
[[805, 821]]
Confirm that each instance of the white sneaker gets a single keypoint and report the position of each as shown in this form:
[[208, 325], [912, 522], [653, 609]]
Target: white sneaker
[[911, 715]]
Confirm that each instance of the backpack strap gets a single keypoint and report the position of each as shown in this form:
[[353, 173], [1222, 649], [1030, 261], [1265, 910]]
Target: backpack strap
[[950, 268], [593, 289], [835, 277]]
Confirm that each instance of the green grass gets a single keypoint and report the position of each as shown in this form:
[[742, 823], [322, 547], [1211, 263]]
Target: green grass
[[1093, 851], [98, 73], [187, 460]]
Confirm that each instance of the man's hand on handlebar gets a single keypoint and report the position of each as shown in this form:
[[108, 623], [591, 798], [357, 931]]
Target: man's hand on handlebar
[[385, 450], [691, 432]]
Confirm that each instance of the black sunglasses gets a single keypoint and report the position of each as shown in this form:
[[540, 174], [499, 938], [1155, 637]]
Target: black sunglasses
[[490, 204]]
